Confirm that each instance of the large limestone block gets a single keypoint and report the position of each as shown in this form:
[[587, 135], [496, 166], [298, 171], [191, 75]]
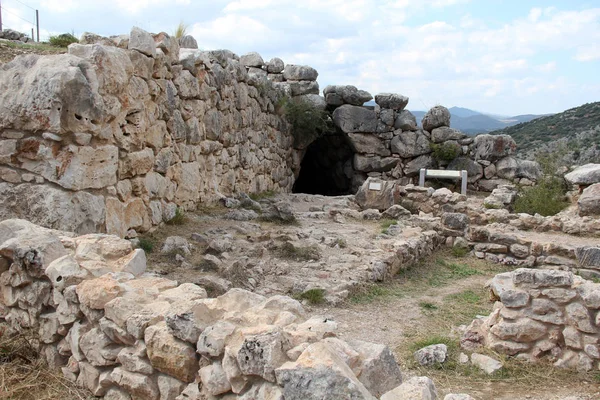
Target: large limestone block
[[50, 207], [413, 167], [74, 167], [252, 59], [377, 194], [188, 42], [98, 349], [374, 163], [441, 134], [142, 41], [524, 330], [336, 95], [391, 101], [587, 174], [113, 65], [214, 379], [56, 94], [588, 257], [261, 354], [95, 293], [377, 368], [293, 72], [406, 121], [416, 388], [325, 376], [138, 385], [589, 201], [366, 143], [436, 117], [169, 354], [20, 238], [410, 144], [352, 119], [493, 147]]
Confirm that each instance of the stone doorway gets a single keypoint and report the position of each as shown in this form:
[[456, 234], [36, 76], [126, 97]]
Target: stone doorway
[[326, 168]]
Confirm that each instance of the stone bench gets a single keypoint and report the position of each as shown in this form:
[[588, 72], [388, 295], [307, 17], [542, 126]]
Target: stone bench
[[444, 174]]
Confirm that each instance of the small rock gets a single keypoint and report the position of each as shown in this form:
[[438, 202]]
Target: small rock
[[485, 363], [430, 355]]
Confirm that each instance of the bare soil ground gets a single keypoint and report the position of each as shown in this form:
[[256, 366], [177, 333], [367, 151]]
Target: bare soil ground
[[9, 50], [427, 303]]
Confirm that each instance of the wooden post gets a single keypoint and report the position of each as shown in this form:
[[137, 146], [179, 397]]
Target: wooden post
[[422, 177], [0, 15], [37, 24], [463, 189], [32, 37]]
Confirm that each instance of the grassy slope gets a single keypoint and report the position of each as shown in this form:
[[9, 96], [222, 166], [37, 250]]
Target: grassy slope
[[530, 135]]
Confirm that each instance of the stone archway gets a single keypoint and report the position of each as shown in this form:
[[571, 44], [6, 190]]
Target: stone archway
[[326, 168]]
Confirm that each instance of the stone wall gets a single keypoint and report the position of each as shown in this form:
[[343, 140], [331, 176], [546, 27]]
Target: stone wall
[[120, 132], [125, 334], [542, 315], [389, 144]]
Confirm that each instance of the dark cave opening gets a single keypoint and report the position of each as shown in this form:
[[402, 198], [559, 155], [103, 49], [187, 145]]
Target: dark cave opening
[[326, 168]]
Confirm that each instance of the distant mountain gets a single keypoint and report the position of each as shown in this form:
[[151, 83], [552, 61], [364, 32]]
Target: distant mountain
[[473, 122], [463, 112], [575, 133]]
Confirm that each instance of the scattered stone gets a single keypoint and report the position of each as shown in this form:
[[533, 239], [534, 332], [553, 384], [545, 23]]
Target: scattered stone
[[485, 363], [417, 388], [430, 355]]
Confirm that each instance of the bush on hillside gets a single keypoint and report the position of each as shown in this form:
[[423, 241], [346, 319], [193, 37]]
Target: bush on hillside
[[63, 40], [547, 197]]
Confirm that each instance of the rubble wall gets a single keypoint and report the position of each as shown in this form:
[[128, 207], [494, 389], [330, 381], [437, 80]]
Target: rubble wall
[[125, 334], [117, 134], [542, 315]]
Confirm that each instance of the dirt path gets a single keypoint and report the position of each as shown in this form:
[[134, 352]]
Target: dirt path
[[396, 321]]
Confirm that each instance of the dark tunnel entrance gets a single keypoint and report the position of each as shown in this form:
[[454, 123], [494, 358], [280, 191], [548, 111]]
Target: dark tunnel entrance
[[326, 168]]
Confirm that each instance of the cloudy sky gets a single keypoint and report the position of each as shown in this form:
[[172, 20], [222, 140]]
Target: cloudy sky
[[505, 57]]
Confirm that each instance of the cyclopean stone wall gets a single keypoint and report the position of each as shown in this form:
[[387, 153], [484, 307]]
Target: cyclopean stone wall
[[125, 334], [391, 145], [542, 315], [119, 132]]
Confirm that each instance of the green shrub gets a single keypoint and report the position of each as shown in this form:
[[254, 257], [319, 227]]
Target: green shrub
[[313, 296], [178, 219], [63, 40], [458, 251], [291, 252], [445, 152], [306, 121], [547, 197], [146, 245]]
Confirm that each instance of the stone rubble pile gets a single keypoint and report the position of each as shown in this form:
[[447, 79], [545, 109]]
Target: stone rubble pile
[[14, 36], [542, 315], [123, 334]]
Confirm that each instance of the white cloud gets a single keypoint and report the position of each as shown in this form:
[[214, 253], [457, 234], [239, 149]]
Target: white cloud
[[136, 6], [588, 53]]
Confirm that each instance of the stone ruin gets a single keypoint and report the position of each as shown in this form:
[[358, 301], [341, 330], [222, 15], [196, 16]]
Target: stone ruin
[[124, 334], [120, 132], [543, 315]]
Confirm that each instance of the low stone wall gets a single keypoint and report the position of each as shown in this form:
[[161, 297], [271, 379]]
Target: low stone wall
[[542, 315], [125, 334]]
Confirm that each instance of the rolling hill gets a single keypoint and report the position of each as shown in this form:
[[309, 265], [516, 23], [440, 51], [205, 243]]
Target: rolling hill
[[575, 133]]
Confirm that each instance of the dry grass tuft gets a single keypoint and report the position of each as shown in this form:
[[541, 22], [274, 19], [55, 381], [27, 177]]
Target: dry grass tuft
[[24, 374]]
